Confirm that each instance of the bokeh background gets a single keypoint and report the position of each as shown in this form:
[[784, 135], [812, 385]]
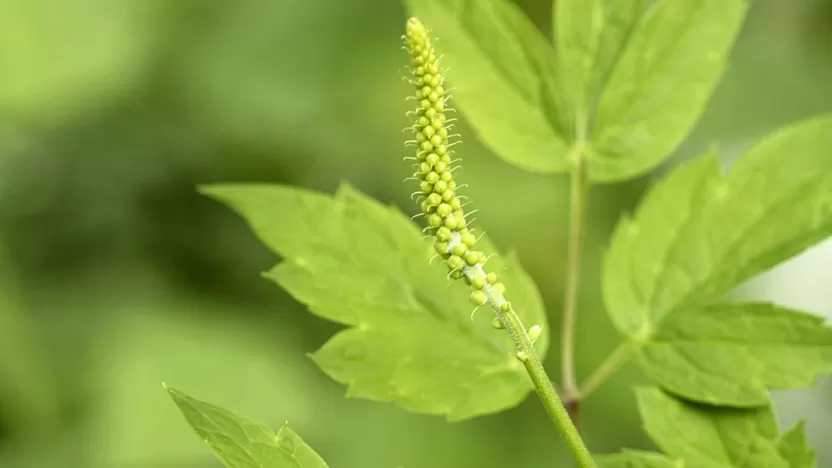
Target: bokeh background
[[117, 275]]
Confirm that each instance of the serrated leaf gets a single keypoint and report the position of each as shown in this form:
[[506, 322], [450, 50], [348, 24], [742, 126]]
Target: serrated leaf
[[637, 459], [709, 437], [242, 443], [658, 88], [502, 72], [411, 338], [699, 233], [794, 448], [731, 353]]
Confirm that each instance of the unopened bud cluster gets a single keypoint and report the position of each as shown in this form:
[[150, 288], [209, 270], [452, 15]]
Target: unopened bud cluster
[[442, 207]]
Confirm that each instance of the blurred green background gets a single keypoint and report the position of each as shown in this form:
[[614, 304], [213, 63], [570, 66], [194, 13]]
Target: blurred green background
[[115, 275]]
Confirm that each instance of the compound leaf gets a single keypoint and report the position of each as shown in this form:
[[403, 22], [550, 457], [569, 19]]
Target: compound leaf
[[660, 81], [242, 443], [410, 336], [709, 437], [502, 72], [700, 233]]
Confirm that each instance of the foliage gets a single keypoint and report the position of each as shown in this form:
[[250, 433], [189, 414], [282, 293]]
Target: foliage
[[618, 92]]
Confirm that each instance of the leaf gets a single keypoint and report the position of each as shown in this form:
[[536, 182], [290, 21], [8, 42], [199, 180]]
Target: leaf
[[502, 72], [410, 336], [660, 83], [699, 233], [589, 36], [794, 448], [578, 28], [620, 19], [731, 353], [708, 437], [739, 349], [242, 443], [637, 459]]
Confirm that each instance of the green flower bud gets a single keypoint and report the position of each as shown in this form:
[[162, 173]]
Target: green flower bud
[[491, 278], [478, 282], [469, 239], [443, 234], [500, 287], [434, 220], [460, 250], [454, 262], [534, 333], [472, 257], [440, 247], [497, 323], [443, 209], [440, 186], [478, 298]]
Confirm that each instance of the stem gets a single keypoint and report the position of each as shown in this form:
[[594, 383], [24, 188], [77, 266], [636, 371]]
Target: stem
[[578, 192], [545, 389], [611, 364]]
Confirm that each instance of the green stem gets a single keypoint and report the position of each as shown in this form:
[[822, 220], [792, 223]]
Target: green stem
[[545, 389], [577, 199], [609, 366], [524, 347]]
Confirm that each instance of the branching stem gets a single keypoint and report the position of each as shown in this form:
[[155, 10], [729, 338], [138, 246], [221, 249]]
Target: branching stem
[[611, 364]]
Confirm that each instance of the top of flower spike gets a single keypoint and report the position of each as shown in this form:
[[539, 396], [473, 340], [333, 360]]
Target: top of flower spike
[[441, 206], [415, 28]]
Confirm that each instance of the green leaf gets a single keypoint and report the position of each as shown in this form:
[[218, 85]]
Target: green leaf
[[578, 29], [637, 459], [731, 353], [620, 19], [660, 83], [502, 72], [794, 448], [410, 336], [242, 443], [708, 437], [699, 233], [589, 36]]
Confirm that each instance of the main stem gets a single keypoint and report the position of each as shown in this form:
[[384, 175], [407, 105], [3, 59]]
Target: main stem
[[545, 389], [577, 198]]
